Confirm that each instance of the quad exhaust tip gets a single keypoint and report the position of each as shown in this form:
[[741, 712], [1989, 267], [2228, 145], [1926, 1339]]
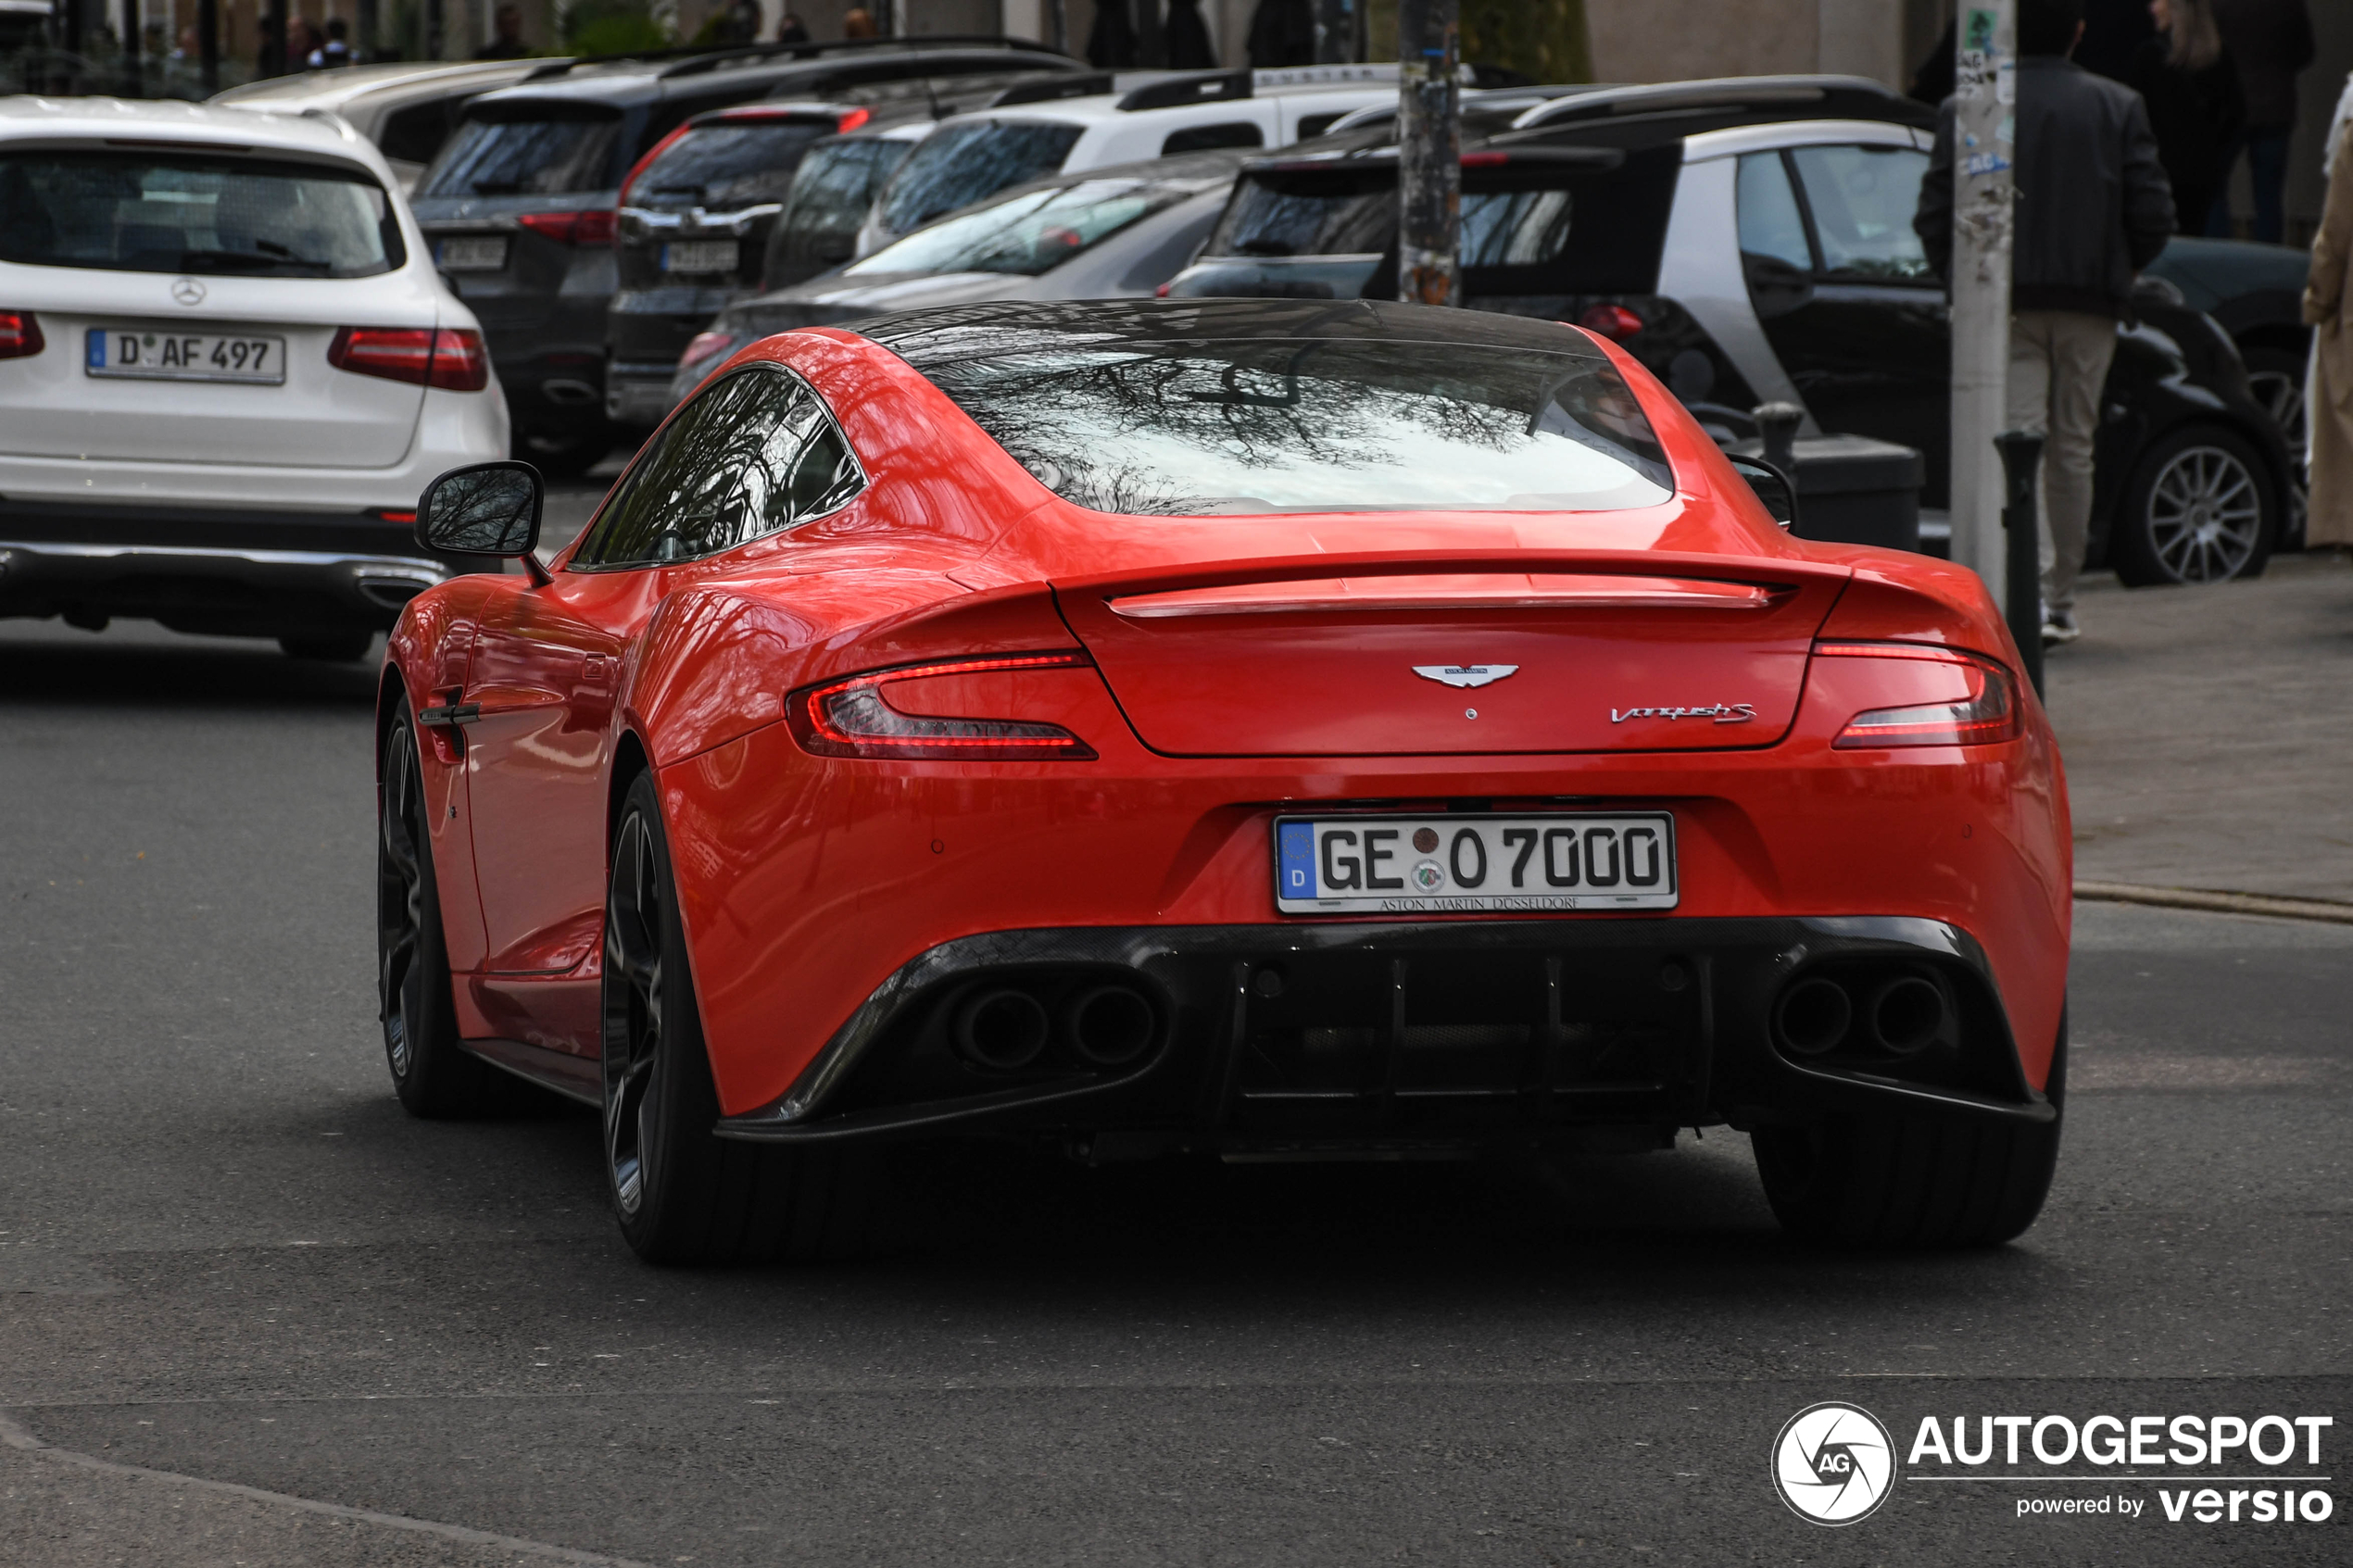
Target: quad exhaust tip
[[1110, 1025], [1900, 1014], [1002, 1030]]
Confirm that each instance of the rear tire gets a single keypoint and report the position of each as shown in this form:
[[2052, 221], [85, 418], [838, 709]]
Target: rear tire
[[682, 1195], [333, 647], [1919, 1179], [2201, 508], [432, 1071]]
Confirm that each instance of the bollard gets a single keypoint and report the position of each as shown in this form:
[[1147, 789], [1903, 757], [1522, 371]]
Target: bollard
[[2022, 579], [1777, 425]]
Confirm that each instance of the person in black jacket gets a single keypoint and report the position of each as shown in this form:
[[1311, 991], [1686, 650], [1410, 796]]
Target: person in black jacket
[[2195, 106], [2094, 208]]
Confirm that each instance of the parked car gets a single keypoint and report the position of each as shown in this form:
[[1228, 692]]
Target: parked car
[[407, 109], [2257, 293], [1109, 233], [1273, 730], [1750, 239], [831, 193], [1067, 128], [227, 368], [521, 204], [698, 216]]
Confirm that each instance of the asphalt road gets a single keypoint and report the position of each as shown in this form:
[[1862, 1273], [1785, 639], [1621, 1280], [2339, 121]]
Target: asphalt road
[[227, 1255]]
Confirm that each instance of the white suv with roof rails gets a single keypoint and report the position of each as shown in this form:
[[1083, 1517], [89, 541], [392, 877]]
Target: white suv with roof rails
[[227, 368], [1087, 123]]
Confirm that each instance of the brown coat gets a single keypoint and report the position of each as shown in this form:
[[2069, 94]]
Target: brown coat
[[2328, 404]]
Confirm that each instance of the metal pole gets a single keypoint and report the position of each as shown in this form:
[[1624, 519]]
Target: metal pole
[[208, 43], [131, 84], [1335, 33], [1985, 99], [2022, 454], [1430, 150]]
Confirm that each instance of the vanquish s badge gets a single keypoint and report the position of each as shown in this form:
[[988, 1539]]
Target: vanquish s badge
[[1722, 712]]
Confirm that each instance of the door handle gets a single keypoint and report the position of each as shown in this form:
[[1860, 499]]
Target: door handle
[[451, 713]]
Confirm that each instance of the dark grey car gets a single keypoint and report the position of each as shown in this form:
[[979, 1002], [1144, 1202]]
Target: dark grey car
[[519, 206]]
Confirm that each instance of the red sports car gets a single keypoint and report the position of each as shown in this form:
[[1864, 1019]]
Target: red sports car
[[1263, 728]]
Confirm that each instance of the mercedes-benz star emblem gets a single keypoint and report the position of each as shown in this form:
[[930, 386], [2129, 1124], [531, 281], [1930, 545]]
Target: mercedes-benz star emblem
[[1464, 674], [187, 290]]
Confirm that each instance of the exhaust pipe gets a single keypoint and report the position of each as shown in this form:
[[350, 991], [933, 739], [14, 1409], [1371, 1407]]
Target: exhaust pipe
[[1001, 1030], [1812, 1016], [1111, 1026], [1905, 1015]]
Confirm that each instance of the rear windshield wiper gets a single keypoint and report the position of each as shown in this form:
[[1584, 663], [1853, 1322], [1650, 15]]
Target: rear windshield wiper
[[258, 261]]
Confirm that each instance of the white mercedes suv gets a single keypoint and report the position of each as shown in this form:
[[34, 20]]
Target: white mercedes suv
[[227, 368]]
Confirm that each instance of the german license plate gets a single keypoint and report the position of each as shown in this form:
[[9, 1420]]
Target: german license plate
[[701, 255], [1464, 864], [162, 356], [473, 253]]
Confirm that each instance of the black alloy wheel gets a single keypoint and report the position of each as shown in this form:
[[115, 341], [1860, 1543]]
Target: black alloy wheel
[[1923, 1179], [432, 1071], [2199, 509], [682, 1195], [2275, 377]]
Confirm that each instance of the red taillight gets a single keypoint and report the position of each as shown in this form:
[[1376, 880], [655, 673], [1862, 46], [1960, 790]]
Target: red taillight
[[1977, 706], [704, 346], [1613, 321], [450, 358], [851, 718], [593, 226], [19, 334], [393, 514]]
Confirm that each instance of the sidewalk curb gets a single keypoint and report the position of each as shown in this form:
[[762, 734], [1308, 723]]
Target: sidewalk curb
[[2217, 903]]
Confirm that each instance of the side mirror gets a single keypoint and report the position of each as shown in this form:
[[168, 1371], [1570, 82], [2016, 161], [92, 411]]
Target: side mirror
[[481, 510], [1773, 486]]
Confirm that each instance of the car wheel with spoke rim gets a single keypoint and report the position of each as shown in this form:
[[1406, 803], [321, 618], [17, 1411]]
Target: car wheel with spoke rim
[[432, 1071], [682, 1195], [2200, 509]]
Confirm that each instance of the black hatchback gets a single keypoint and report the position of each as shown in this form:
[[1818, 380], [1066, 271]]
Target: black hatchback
[[521, 204]]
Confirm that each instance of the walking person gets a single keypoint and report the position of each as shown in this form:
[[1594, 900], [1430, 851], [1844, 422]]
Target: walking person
[[2270, 41], [2094, 208], [2328, 397], [2195, 106]]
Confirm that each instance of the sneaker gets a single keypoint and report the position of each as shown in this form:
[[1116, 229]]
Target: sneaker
[[2059, 627]]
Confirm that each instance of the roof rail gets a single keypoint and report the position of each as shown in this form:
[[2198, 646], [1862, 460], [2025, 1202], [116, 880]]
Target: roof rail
[[1854, 93], [1047, 90], [712, 59], [1193, 87]]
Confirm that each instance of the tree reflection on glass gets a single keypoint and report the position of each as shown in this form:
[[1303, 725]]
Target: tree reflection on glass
[[1310, 424], [754, 454], [482, 511]]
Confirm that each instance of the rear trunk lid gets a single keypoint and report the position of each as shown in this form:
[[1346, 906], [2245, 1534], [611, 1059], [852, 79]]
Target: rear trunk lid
[[1393, 657]]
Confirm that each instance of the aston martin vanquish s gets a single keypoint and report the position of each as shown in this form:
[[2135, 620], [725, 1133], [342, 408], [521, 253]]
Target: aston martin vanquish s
[[1263, 729]]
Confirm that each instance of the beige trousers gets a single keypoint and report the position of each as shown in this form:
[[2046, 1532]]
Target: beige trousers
[[2058, 367]]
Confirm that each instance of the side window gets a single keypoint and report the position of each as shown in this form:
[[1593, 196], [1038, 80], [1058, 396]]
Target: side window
[[1770, 225], [1862, 200], [756, 453], [1516, 228], [1202, 138]]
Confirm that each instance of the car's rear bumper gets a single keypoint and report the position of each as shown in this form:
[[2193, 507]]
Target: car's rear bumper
[[1333, 1039], [231, 571]]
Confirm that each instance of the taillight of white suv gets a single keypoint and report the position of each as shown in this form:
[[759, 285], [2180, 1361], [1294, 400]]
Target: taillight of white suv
[[19, 334], [453, 358]]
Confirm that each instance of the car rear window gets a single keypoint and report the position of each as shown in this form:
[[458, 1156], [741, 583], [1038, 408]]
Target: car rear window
[[958, 165], [541, 150], [834, 185], [1026, 233], [728, 165], [196, 212], [1544, 231], [1280, 424]]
